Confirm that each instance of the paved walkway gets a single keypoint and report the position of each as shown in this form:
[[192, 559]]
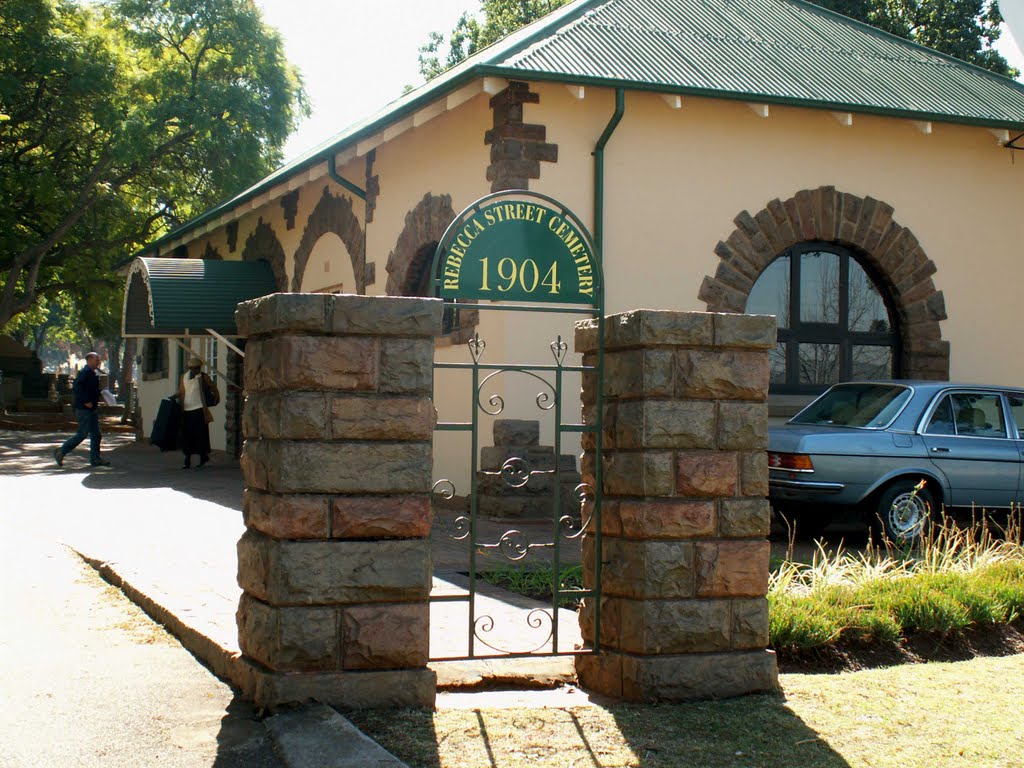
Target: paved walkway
[[168, 535]]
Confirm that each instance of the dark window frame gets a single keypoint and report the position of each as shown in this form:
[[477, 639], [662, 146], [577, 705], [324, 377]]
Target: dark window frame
[[831, 333]]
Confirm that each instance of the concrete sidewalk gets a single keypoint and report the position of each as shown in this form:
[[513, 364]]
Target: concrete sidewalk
[[166, 536]]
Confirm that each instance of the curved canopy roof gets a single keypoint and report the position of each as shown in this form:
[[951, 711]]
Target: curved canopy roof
[[179, 297]]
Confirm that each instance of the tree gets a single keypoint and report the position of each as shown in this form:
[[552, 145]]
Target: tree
[[119, 120], [965, 29], [500, 18]]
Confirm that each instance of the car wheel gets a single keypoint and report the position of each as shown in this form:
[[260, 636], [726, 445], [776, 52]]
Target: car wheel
[[903, 510]]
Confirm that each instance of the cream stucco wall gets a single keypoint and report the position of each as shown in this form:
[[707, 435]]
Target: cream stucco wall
[[675, 179]]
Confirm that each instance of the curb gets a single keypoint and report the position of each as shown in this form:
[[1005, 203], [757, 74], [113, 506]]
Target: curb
[[314, 736]]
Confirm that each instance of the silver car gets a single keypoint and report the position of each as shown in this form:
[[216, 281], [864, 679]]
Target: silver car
[[895, 451]]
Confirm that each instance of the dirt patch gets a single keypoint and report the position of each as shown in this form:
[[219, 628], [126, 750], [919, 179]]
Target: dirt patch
[[999, 640]]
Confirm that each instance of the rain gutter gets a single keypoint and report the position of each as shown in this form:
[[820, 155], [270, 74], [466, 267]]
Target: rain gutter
[[332, 171], [620, 109]]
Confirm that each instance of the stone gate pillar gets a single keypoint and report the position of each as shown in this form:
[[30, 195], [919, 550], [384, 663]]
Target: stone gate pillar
[[335, 560], [685, 519]]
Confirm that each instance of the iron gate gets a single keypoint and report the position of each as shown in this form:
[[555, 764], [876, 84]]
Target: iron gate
[[478, 259]]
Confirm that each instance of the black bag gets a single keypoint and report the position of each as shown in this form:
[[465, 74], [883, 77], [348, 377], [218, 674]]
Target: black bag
[[211, 395], [167, 425]]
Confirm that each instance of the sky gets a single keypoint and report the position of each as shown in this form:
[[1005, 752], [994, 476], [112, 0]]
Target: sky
[[356, 56]]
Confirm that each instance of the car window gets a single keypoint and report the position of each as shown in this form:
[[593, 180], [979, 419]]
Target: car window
[[942, 419], [856, 405], [978, 415], [1017, 409]]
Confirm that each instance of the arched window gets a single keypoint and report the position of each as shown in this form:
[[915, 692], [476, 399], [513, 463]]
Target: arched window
[[421, 283], [835, 321]]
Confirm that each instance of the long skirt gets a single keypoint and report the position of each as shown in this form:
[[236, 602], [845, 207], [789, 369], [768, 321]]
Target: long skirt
[[195, 433]]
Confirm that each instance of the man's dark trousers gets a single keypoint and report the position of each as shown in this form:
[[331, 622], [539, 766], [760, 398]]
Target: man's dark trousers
[[88, 425]]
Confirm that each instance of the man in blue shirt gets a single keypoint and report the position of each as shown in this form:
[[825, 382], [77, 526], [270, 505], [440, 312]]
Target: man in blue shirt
[[87, 400]]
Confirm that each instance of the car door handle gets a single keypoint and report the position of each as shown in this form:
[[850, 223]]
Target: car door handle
[[940, 450]]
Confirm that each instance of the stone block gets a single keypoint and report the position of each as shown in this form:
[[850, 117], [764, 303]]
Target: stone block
[[600, 672], [381, 418], [744, 518], [658, 519], [657, 627], [250, 418], [742, 426], [749, 623], [754, 474], [645, 473], [732, 568], [292, 415], [661, 424], [642, 569], [381, 517], [652, 328], [698, 676], [731, 374], [333, 572], [291, 516], [386, 316], [337, 467], [586, 336], [705, 474], [745, 331], [314, 363], [369, 689], [406, 366], [283, 313], [538, 457], [389, 636], [516, 432], [639, 373], [288, 639]]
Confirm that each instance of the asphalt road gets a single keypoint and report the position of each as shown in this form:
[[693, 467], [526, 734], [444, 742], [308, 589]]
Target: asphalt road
[[86, 678]]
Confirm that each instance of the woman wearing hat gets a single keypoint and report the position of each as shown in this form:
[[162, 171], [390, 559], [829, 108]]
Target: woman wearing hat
[[196, 391]]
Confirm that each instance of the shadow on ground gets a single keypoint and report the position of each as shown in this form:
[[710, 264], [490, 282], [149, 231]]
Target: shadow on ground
[[132, 466], [753, 730]]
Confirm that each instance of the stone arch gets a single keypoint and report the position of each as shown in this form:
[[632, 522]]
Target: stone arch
[[333, 214], [263, 244], [211, 253], [424, 224], [890, 250]]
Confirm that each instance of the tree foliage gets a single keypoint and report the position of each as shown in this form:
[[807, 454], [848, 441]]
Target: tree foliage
[[119, 120], [500, 18], [965, 29]]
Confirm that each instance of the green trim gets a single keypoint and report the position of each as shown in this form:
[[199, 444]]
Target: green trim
[[744, 96], [613, 123], [332, 171], [485, 63]]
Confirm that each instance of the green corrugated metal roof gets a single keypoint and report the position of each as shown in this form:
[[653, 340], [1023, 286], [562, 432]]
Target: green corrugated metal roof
[[166, 297], [771, 51]]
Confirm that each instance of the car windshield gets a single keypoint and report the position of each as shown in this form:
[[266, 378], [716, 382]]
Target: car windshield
[[856, 405]]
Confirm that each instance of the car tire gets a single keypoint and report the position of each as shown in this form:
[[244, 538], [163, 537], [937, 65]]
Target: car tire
[[903, 511]]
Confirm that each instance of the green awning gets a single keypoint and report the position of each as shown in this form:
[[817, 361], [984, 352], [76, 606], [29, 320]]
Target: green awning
[[179, 297]]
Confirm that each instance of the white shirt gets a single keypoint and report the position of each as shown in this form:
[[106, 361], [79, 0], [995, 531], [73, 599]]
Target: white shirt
[[193, 392]]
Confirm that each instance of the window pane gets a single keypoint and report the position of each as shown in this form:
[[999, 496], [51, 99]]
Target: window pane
[[770, 294], [942, 419], [1017, 408], [871, 363], [777, 361], [819, 363], [978, 415], [867, 310], [819, 287]]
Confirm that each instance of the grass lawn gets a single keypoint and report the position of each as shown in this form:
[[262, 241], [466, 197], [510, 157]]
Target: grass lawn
[[966, 714]]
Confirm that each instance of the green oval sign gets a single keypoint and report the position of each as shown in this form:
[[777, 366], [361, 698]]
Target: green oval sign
[[518, 246]]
